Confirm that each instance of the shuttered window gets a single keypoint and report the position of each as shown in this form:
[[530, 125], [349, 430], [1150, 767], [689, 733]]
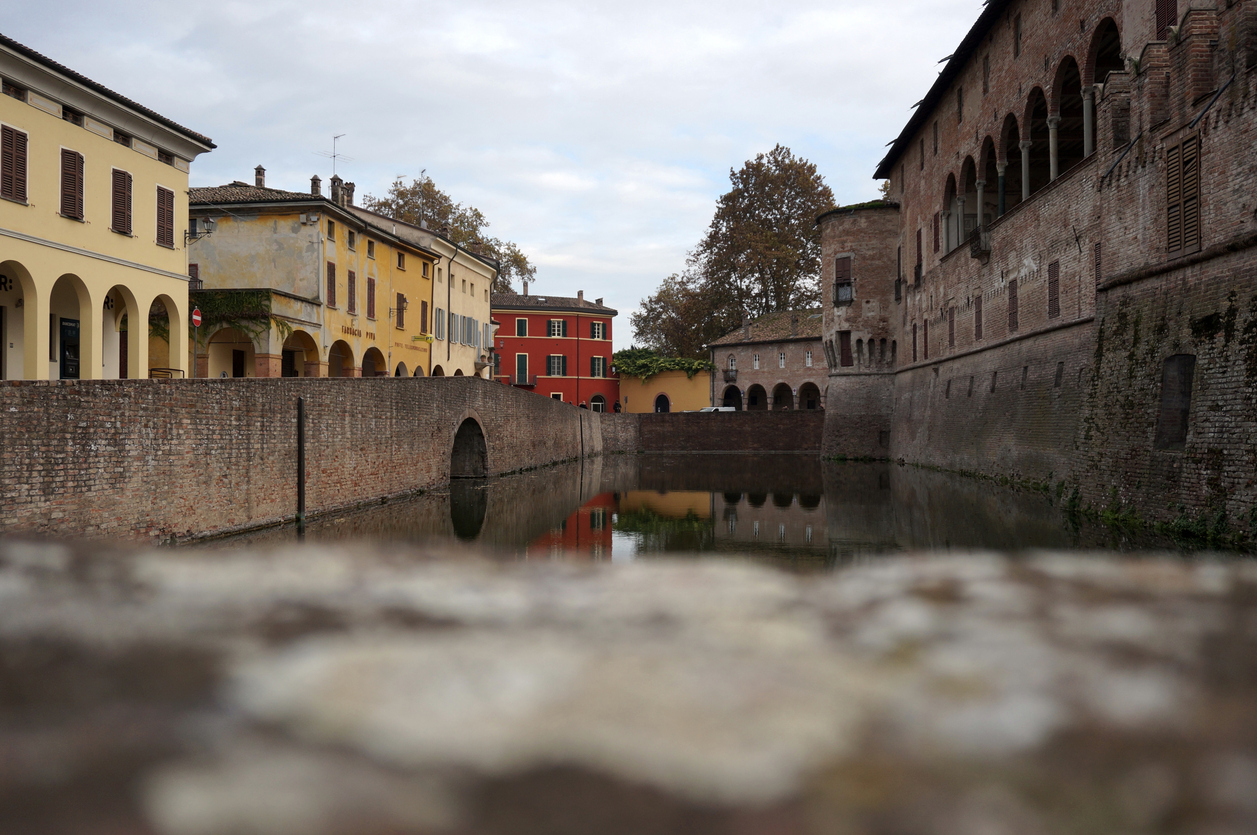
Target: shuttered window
[[1054, 289], [844, 291], [71, 184], [925, 339], [1012, 305], [977, 317], [1099, 264], [937, 230], [597, 366], [844, 348], [165, 217], [1183, 197], [1167, 16], [423, 317], [401, 310], [914, 341], [331, 284], [12, 164], [370, 297], [351, 281], [120, 221], [951, 327]]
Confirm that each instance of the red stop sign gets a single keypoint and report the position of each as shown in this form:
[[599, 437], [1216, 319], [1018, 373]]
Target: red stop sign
[[196, 317]]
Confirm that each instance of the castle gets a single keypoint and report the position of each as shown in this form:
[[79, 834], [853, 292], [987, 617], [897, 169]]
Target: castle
[[1062, 287]]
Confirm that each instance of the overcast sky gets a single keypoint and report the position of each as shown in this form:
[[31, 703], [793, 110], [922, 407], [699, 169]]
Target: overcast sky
[[595, 135]]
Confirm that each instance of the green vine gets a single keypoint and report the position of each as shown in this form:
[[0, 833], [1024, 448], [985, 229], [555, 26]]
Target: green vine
[[646, 363], [248, 311]]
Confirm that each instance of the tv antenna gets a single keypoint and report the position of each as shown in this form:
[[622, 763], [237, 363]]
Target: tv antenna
[[333, 156]]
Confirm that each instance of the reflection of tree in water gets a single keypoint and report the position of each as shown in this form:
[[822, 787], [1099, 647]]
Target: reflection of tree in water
[[468, 502], [656, 532]]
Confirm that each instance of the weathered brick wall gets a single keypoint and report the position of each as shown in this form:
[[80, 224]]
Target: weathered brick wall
[[1000, 411], [1209, 312], [160, 459], [732, 431], [859, 408], [620, 432]]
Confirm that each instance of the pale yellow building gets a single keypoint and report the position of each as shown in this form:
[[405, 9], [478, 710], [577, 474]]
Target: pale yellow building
[[93, 203], [667, 391], [296, 284]]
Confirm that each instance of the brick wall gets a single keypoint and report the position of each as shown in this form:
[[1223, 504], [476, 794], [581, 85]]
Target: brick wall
[[731, 431], [161, 459]]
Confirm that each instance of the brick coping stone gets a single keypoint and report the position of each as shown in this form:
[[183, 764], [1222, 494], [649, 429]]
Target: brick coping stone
[[372, 690]]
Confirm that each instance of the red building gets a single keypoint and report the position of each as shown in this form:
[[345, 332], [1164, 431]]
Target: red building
[[556, 346]]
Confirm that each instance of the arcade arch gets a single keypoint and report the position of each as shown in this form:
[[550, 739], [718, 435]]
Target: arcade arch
[[1068, 107], [231, 353], [73, 355], [374, 364], [732, 397], [783, 397], [756, 399], [340, 360], [300, 357], [809, 397], [662, 404]]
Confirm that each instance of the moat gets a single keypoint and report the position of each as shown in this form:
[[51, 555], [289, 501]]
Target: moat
[[793, 511]]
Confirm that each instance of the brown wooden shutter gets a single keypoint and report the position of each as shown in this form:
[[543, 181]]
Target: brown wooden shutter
[[69, 183], [844, 348], [977, 317], [370, 297], [423, 317], [951, 327], [331, 284], [13, 164], [401, 311], [1054, 290], [1174, 200], [1191, 194], [352, 296], [1012, 305], [1099, 273], [1167, 16], [165, 217], [121, 203]]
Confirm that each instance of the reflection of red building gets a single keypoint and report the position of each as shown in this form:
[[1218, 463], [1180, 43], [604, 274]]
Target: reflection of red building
[[556, 346], [587, 532]]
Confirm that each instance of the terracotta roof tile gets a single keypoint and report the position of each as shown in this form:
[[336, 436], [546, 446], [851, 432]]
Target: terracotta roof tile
[[776, 327], [239, 192], [514, 301]]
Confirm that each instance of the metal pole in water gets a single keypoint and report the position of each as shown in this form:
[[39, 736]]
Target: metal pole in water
[[301, 465]]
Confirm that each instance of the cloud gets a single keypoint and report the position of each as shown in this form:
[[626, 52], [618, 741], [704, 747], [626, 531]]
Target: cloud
[[595, 135]]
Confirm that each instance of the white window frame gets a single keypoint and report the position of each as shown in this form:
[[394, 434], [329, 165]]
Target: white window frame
[[755, 361], [807, 359], [781, 359]]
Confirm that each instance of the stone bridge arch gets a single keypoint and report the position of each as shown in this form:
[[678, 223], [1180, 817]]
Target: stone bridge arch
[[469, 454]]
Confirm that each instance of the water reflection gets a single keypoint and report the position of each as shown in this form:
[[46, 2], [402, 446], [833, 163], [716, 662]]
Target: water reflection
[[790, 510]]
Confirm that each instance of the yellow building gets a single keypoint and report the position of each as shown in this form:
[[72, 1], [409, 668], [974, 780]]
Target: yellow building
[[667, 391], [93, 196], [462, 335], [296, 284]]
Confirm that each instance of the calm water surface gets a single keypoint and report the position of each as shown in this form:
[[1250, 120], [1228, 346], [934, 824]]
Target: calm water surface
[[791, 510]]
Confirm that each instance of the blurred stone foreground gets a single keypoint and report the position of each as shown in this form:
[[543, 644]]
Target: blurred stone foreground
[[366, 691]]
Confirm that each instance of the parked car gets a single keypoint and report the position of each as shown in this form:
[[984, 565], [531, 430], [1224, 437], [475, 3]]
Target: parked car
[[717, 409]]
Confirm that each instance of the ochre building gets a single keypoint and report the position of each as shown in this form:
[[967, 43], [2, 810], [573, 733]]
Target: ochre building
[[93, 203], [297, 284], [1062, 287], [556, 346]]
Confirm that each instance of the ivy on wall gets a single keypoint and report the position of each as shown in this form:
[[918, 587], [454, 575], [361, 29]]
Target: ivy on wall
[[248, 311], [646, 363]]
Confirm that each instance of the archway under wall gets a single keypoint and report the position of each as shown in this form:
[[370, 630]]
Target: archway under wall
[[756, 399], [732, 397], [72, 332], [662, 404], [231, 354], [470, 455], [340, 360], [810, 396], [438, 371], [300, 357], [783, 398], [374, 364]]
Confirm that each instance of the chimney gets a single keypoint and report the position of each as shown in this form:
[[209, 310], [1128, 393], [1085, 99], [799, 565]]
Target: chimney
[[337, 182], [598, 302], [316, 185], [794, 324], [580, 295], [348, 191], [259, 177], [525, 288]]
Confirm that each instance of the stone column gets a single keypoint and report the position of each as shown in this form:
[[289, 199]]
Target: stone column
[[1001, 168], [981, 203], [1025, 168], [960, 220], [1054, 124], [946, 232], [1088, 121]]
